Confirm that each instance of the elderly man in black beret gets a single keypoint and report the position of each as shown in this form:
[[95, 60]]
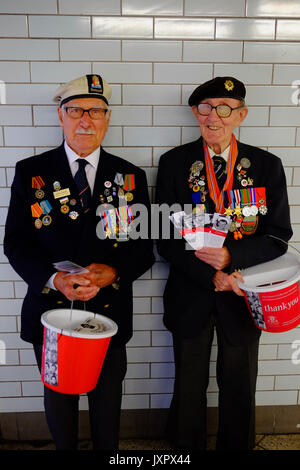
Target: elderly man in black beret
[[54, 217], [218, 174]]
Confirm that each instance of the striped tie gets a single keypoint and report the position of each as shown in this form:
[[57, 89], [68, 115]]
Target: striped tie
[[220, 170], [82, 184]]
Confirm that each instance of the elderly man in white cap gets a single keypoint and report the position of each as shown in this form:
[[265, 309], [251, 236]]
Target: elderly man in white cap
[[53, 217]]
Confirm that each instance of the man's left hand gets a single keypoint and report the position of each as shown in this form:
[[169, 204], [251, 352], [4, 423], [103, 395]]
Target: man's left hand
[[218, 258], [101, 275]]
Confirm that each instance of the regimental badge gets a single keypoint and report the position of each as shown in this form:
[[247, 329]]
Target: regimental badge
[[229, 85], [46, 220], [249, 225]]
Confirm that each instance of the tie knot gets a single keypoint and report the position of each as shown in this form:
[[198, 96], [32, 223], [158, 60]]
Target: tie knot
[[82, 162], [218, 160]]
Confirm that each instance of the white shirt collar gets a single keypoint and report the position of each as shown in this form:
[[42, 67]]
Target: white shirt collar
[[224, 154], [92, 158]]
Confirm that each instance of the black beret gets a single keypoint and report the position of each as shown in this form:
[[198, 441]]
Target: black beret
[[219, 87]]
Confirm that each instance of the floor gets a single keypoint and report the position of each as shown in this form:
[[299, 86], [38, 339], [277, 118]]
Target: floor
[[263, 442]]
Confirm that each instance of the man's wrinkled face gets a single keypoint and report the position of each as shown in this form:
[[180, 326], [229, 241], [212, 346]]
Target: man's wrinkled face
[[215, 130], [84, 135]]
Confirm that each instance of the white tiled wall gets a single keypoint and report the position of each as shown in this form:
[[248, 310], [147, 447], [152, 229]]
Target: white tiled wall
[[153, 53]]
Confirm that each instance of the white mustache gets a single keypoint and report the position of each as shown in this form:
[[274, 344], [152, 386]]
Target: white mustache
[[85, 131]]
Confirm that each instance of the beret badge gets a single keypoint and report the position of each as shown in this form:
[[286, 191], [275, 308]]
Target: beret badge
[[229, 85]]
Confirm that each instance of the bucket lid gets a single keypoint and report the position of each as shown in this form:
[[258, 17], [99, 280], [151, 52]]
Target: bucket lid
[[273, 275], [61, 321]]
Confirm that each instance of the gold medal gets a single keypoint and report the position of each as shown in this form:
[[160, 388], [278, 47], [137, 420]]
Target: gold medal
[[128, 196], [64, 209]]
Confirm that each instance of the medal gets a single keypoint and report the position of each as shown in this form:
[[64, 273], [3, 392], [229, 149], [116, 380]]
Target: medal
[[119, 180], [64, 209], [56, 185], [245, 162], [73, 215], [46, 220], [39, 194], [249, 225], [38, 223], [73, 202], [128, 196]]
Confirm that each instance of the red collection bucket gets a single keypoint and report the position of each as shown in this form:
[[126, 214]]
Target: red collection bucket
[[72, 360], [271, 292]]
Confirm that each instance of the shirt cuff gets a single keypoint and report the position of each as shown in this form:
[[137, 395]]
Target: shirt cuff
[[50, 282]]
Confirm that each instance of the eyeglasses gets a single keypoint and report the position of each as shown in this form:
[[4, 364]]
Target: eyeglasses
[[222, 110], [77, 113]]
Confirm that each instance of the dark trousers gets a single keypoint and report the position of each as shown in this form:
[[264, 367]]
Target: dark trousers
[[236, 378], [104, 406]]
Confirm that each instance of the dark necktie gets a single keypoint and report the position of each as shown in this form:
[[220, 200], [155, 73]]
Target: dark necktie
[[82, 184], [220, 170]]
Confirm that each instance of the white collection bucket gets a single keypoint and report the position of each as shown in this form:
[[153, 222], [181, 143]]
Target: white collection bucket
[[271, 292], [72, 360]]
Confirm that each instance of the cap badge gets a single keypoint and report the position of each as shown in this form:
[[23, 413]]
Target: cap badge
[[229, 85]]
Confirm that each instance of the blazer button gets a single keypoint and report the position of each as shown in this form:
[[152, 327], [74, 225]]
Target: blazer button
[[106, 305]]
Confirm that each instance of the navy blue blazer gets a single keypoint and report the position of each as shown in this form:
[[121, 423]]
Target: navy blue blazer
[[189, 296], [32, 251]]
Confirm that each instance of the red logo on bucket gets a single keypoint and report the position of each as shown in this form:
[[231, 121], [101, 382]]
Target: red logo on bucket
[[275, 311]]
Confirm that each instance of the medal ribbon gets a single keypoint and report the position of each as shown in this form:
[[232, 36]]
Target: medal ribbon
[[37, 182], [216, 195], [129, 183], [36, 210]]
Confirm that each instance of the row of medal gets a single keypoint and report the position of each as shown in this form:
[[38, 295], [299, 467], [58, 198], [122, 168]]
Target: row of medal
[[243, 205], [116, 221], [122, 187], [41, 210]]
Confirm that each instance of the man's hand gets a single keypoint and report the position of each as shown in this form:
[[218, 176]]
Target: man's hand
[[227, 282], [101, 275], [65, 284], [218, 258]]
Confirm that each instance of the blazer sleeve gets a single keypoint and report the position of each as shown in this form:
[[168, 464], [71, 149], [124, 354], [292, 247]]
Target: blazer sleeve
[[21, 246], [274, 228], [175, 250]]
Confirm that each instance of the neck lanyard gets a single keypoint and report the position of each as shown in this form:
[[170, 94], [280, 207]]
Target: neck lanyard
[[215, 193]]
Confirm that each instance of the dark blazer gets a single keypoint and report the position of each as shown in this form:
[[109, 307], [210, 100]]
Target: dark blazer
[[31, 251], [189, 296]]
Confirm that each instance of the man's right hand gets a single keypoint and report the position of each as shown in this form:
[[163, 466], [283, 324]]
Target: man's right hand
[[83, 289]]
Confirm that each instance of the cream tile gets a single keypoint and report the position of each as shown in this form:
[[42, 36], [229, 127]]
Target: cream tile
[[110, 27], [184, 28], [30, 93], [15, 115], [90, 7], [214, 8], [273, 8], [247, 73], [264, 398], [131, 115], [288, 30], [281, 116], [159, 136], [264, 136], [14, 71], [271, 52], [76, 49], [204, 51], [155, 7], [32, 136], [245, 29], [269, 95], [13, 25], [151, 94], [159, 51], [58, 72], [286, 74], [173, 115], [28, 6], [182, 73], [59, 26], [126, 72], [29, 49]]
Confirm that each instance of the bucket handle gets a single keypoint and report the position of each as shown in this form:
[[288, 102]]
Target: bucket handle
[[283, 241]]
